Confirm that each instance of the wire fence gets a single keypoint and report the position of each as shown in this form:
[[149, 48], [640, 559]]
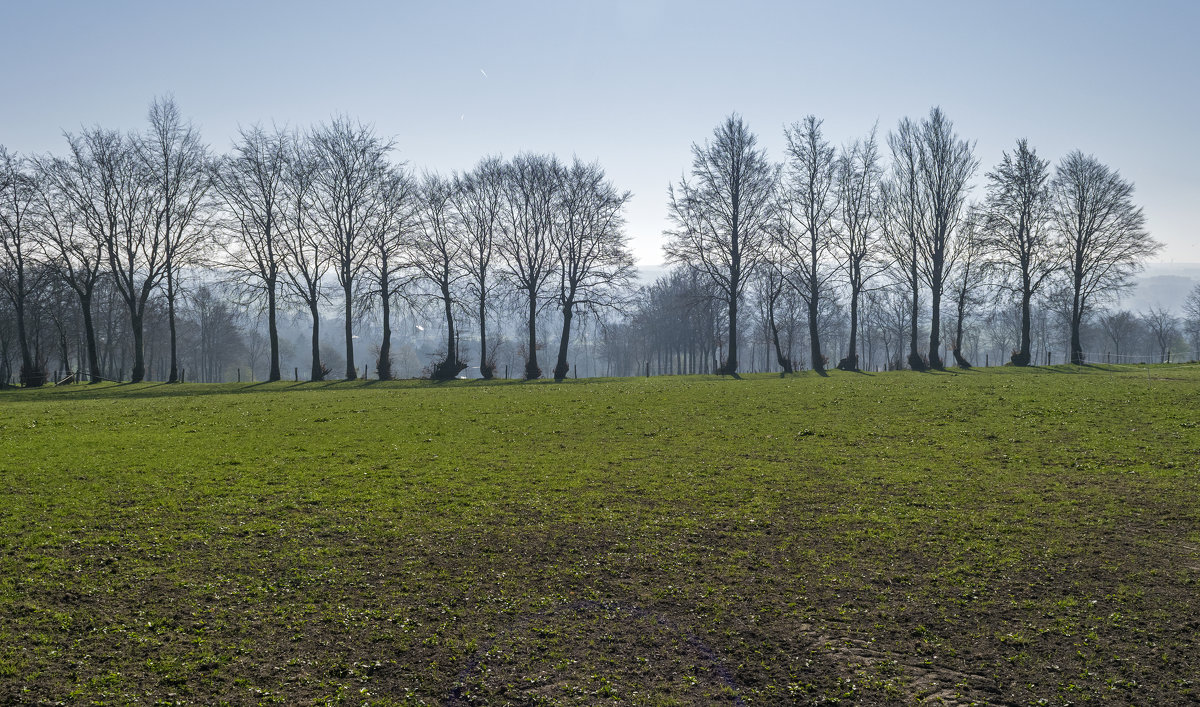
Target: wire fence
[[1118, 358]]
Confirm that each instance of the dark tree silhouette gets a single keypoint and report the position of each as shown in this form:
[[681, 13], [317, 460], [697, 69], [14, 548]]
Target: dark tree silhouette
[[350, 162], [723, 216], [19, 276], [250, 185], [390, 234], [809, 203], [478, 197], [436, 253], [967, 279], [134, 247], [901, 198], [70, 244], [856, 238], [178, 165], [945, 164], [305, 259], [1101, 233], [595, 266], [1017, 234], [527, 247]]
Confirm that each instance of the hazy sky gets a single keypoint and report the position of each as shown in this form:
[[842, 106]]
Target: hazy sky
[[632, 84]]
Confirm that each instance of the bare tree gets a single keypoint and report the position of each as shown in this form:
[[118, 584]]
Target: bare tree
[[390, 234], [945, 163], [1191, 320], [901, 201], [527, 246], [250, 184], [305, 260], [856, 239], [809, 203], [478, 197], [595, 267], [772, 286], [968, 278], [1164, 327], [19, 276], [1101, 234], [70, 248], [178, 163], [1017, 234], [114, 193], [723, 217], [1118, 326], [90, 180], [351, 162], [436, 252]]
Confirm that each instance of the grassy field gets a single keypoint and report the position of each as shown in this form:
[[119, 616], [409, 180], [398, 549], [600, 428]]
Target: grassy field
[[997, 536]]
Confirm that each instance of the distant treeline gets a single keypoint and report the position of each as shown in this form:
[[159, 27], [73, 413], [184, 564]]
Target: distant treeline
[[140, 255]]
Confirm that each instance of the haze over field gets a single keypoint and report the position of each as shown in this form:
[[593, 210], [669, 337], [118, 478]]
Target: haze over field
[[633, 83], [643, 352]]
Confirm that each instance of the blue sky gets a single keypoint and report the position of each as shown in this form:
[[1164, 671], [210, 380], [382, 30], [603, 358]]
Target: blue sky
[[632, 84]]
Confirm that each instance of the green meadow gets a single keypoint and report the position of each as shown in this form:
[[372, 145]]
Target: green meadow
[[996, 536]]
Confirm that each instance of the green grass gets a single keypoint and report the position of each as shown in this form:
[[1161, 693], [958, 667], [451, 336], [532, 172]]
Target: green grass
[[995, 535]]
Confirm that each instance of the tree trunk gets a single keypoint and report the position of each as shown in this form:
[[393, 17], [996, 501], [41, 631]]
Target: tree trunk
[[935, 319], [785, 362], [139, 349], [318, 371], [561, 368], [30, 376], [814, 335], [729, 368], [174, 375], [451, 338], [351, 371], [448, 368], [850, 363], [532, 371], [272, 333], [89, 333], [1024, 356], [383, 366], [1077, 316], [959, 359], [914, 356], [485, 367]]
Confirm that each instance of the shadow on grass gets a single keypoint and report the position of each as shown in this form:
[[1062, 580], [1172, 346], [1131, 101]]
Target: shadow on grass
[[99, 391]]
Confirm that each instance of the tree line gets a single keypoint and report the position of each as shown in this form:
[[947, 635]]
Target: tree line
[[827, 221], [873, 243], [300, 219]]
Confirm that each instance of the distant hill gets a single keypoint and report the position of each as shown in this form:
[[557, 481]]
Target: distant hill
[[1162, 285]]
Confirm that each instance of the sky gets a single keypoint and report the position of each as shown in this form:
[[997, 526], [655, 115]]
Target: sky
[[632, 84]]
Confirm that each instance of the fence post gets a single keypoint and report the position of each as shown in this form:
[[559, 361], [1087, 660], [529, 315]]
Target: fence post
[[296, 373], [239, 375]]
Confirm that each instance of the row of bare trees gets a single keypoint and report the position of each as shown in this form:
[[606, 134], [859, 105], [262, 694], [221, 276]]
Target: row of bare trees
[[304, 218], [828, 217]]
